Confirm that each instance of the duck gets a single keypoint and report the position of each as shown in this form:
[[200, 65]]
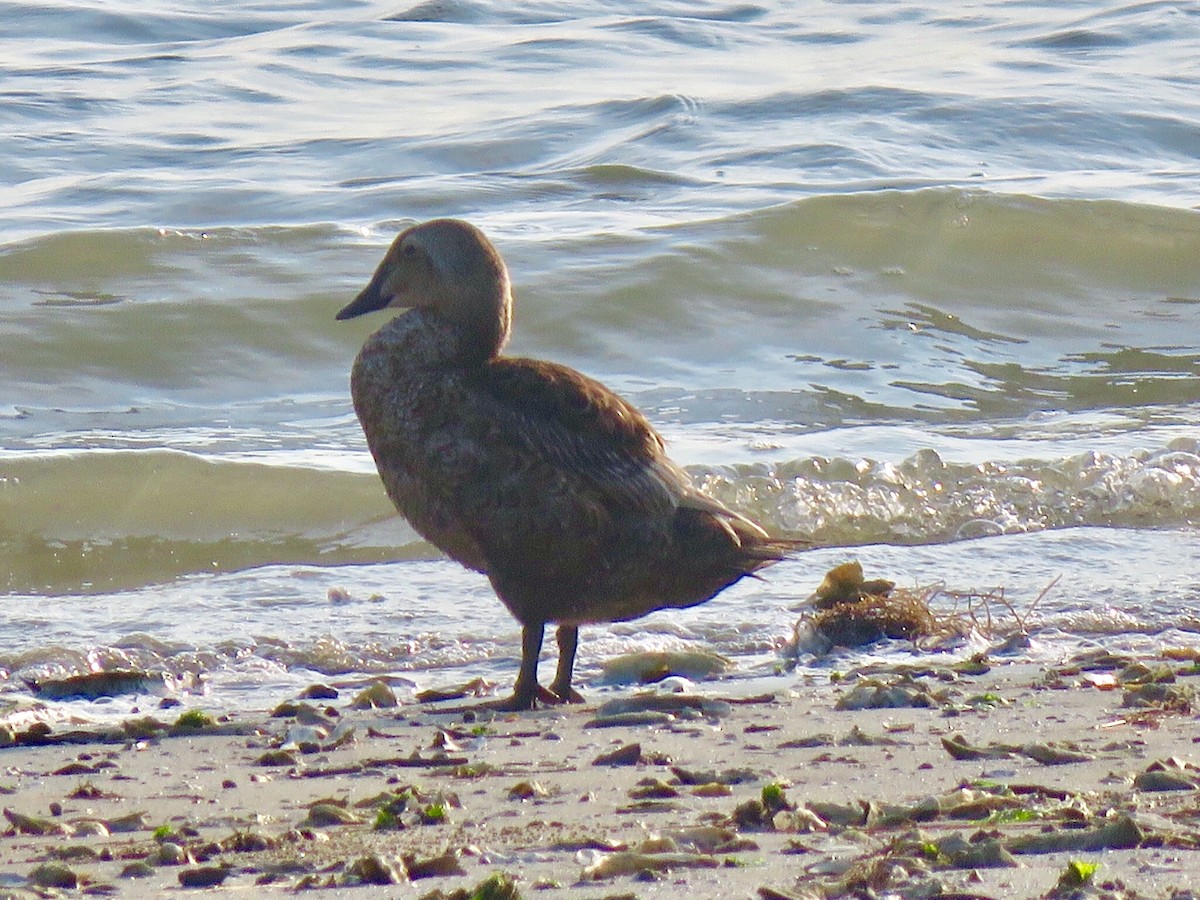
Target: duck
[[539, 477]]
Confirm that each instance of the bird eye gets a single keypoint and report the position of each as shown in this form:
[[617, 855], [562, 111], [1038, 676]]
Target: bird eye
[[409, 249]]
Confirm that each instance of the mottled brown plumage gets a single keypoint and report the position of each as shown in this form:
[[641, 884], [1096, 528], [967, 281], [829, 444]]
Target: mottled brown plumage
[[540, 477]]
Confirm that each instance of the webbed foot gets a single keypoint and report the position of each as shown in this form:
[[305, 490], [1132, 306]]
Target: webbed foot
[[565, 694], [520, 701]]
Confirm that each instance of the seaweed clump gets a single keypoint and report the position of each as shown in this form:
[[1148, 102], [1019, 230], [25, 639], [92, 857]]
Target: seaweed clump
[[852, 611]]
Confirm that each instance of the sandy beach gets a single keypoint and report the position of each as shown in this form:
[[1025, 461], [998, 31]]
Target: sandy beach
[[992, 780]]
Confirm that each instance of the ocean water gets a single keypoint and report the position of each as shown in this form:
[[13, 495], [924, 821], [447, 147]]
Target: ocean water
[[917, 282]]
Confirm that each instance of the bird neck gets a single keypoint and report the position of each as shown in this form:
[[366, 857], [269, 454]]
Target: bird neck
[[420, 339], [482, 314]]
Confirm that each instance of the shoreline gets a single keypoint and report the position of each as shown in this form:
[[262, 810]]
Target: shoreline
[[645, 793]]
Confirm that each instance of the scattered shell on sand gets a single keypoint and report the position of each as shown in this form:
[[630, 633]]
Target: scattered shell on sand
[[1168, 775], [874, 693], [378, 696], [668, 806], [376, 869], [32, 824], [656, 665], [328, 815], [624, 755], [631, 862]]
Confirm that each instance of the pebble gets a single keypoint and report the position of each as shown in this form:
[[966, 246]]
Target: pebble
[[203, 877]]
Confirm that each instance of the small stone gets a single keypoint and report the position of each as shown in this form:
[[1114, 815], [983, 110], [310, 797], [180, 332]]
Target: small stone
[[626, 755], [526, 790], [277, 758], [130, 822], [203, 877], [54, 875], [139, 869], [319, 692], [75, 768], [170, 854]]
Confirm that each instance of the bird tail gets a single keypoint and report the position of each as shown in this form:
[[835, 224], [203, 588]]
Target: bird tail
[[757, 550], [747, 546]]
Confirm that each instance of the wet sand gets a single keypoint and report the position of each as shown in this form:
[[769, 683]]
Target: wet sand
[[992, 785]]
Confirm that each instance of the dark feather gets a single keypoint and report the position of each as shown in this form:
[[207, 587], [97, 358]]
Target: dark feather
[[577, 427]]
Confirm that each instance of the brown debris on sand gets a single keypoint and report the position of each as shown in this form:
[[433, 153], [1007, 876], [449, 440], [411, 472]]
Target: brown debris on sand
[[850, 610], [977, 778]]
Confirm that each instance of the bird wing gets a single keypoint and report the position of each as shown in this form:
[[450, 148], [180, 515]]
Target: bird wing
[[552, 393], [580, 428]]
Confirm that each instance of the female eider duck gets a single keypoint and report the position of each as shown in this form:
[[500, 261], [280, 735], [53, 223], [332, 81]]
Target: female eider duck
[[527, 471]]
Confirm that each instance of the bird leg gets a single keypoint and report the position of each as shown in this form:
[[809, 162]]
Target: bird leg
[[527, 691], [528, 694], [568, 640]]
